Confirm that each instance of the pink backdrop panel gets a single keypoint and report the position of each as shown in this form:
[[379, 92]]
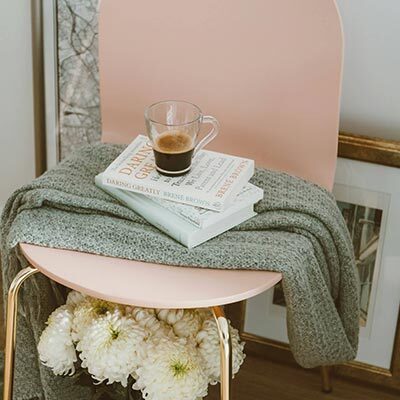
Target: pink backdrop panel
[[269, 70]]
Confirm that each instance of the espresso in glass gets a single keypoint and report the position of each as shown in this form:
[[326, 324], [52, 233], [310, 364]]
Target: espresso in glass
[[173, 127], [173, 151]]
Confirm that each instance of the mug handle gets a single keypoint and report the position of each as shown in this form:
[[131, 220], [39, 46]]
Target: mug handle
[[207, 119]]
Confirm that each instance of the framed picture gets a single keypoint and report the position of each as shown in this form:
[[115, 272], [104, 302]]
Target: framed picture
[[69, 30], [369, 197], [366, 226], [46, 43]]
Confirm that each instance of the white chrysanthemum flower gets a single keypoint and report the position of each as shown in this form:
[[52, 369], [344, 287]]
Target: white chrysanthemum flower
[[208, 346], [109, 348], [189, 324], [56, 348], [74, 298], [89, 310], [172, 370], [147, 319], [171, 317]]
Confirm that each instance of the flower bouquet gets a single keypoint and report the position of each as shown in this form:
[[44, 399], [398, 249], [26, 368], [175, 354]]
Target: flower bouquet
[[164, 354]]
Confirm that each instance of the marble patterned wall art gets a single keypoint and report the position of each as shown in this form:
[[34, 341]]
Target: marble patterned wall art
[[78, 73]]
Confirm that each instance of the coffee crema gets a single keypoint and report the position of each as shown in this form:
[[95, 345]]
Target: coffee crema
[[173, 142], [173, 151]]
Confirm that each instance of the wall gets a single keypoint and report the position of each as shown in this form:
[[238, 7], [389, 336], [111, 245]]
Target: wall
[[371, 86], [17, 163]]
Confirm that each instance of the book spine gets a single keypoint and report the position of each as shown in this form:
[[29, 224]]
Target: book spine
[[235, 219], [125, 184], [176, 210], [152, 213], [240, 184]]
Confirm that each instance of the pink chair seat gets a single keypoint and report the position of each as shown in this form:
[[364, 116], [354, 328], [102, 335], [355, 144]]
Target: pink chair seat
[[145, 284]]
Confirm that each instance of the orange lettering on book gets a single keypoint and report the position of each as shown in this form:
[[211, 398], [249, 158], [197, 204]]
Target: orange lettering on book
[[135, 161], [231, 179]]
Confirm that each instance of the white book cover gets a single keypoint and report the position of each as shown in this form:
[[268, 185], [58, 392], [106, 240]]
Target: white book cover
[[201, 217], [173, 225], [213, 182]]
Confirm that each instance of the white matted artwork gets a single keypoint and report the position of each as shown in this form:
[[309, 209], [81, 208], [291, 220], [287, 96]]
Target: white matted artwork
[[369, 198], [70, 59]]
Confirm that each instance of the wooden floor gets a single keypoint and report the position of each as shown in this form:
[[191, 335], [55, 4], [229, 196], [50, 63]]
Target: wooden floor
[[263, 380]]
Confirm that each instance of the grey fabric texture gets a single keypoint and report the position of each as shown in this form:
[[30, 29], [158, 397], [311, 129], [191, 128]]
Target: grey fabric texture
[[299, 231]]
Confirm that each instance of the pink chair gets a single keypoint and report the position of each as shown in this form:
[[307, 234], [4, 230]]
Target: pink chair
[[270, 71]]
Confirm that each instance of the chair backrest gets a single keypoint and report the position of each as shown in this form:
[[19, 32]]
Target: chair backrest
[[268, 70]]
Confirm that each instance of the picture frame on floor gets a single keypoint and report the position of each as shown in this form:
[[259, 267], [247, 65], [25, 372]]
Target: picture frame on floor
[[368, 195]]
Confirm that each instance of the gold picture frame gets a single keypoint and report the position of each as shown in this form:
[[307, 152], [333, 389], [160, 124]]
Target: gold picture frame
[[371, 149], [361, 148]]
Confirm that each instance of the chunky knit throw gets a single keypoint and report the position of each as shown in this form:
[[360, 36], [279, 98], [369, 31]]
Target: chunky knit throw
[[299, 231]]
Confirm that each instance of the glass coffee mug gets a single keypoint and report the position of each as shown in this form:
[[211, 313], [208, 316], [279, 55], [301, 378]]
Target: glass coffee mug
[[173, 128]]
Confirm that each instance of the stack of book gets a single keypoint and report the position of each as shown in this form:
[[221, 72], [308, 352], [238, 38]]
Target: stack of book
[[212, 198]]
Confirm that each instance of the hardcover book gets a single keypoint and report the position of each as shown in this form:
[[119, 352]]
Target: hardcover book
[[213, 183], [203, 218], [183, 225]]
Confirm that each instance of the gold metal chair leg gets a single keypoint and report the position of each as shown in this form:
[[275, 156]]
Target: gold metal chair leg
[[11, 332], [225, 351], [326, 373]]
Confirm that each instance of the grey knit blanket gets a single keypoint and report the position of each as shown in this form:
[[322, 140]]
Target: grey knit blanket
[[299, 231]]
